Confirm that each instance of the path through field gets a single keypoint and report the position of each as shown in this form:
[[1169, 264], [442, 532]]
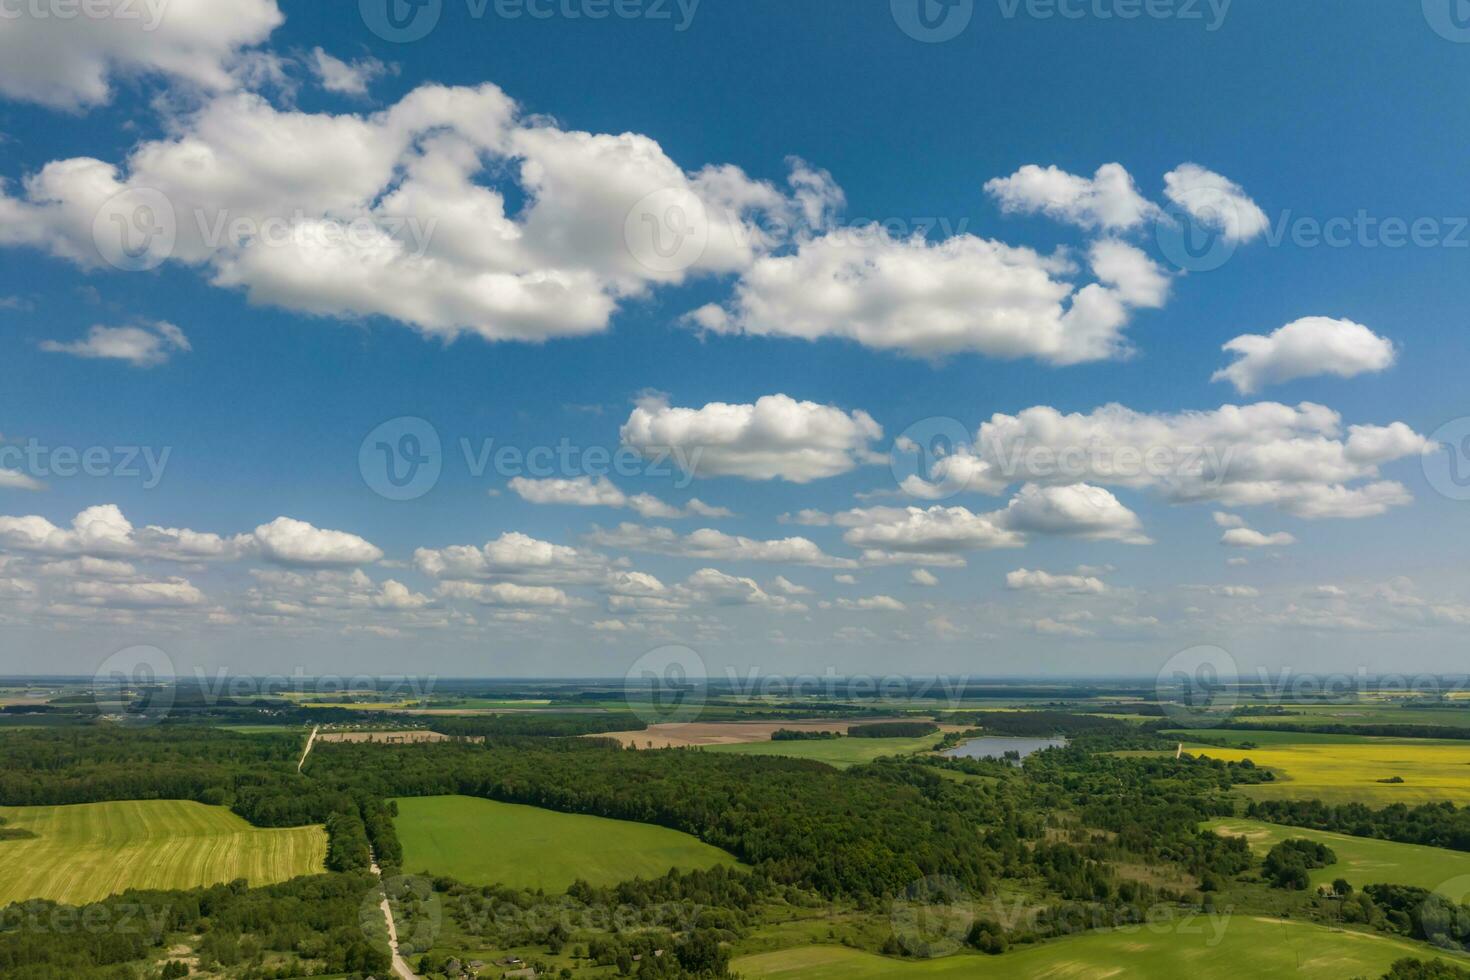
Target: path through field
[[310, 740], [401, 969]]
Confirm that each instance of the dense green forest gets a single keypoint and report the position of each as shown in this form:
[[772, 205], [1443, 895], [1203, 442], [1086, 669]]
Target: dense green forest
[[1059, 828], [1435, 824]]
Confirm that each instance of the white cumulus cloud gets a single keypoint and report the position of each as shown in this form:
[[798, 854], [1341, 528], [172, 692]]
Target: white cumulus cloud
[[1303, 348]]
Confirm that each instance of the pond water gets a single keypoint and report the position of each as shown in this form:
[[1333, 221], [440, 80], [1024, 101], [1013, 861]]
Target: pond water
[[995, 747]]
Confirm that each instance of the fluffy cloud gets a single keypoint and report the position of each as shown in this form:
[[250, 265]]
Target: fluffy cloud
[[1215, 202], [778, 437], [103, 532], [147, 345], [872, 603], [1294, 458], [16, 480], [708, 544], [403, 213], [292, 542], [69, 62], [586, 491], [931, 534], [344, 77], [513, 556], [507, 594], [1245, 537], [1107, 200], [1024, 579], [930, 299], [1078, 510], [1310, 346], [173, 592], [922, 576]]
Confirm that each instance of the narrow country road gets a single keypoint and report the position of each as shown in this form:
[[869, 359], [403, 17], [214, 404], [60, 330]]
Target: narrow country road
[[309, 740], [401, 969]]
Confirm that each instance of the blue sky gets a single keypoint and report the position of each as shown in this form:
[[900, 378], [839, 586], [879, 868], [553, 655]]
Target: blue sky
[[261, 370]]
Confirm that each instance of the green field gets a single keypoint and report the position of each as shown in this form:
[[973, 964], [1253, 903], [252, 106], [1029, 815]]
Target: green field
[[1361, 860], [1248, 947], [839, 752], [1349, 769], [86, 852], [482, 842]]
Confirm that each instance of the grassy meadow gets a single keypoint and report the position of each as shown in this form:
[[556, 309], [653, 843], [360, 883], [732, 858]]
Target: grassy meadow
[[88, 851], [1361, 860], [1247, 947], [839, 752], [483, 842]]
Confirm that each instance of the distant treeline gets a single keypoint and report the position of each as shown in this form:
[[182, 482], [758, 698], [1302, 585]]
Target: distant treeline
[[1384, 730], [1038, 724], [893, 729], [1435, 824], [795, 735], [537, 724]]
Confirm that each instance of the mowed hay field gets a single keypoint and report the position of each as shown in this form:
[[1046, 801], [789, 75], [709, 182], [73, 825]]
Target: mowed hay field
[[482, 842], [839, 752], [1361, 860], [1348, 770], [1248, 947], [88, 851]]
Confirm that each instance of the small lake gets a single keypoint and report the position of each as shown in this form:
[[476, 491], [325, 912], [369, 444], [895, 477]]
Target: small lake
[[995, 747]]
